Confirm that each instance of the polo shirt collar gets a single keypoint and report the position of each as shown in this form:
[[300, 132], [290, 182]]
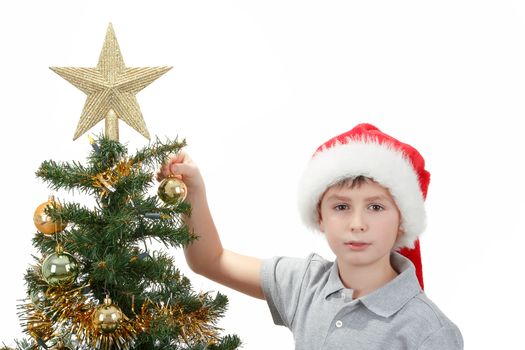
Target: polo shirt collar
[[391, 297], [334, 283]]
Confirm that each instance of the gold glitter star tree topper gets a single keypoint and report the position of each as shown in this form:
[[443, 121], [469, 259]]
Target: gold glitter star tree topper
[[111, 88]]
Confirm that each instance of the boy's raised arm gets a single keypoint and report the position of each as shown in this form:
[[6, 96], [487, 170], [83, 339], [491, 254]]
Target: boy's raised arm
[[206, 256]]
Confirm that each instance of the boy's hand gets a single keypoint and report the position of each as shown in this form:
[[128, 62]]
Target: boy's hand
[[182, 166]]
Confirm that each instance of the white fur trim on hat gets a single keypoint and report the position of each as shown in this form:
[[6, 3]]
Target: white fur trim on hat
[[383, 163]]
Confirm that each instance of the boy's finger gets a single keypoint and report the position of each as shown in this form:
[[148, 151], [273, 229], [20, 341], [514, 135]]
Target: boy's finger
[[186, 170], [175, 168], [181, 157], [170, 167]]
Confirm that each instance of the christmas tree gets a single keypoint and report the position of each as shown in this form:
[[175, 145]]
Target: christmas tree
[[96, 285]]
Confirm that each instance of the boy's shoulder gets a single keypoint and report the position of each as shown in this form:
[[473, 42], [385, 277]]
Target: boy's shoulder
[[312, 262], [423, 310], [316, 265], [319, 273], [318, 262], [309, 270]]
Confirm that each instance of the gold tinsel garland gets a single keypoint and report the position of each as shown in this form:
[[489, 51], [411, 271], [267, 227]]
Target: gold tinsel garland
[[71, 311], [107, 179], [74, 309], [194, 326], [37, 323]]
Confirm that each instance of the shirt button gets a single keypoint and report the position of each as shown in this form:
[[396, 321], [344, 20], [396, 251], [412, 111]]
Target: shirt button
[[338, 324]]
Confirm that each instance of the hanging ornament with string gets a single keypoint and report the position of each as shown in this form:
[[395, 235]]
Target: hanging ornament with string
[[43, 222], [60, 268], [107, 317]]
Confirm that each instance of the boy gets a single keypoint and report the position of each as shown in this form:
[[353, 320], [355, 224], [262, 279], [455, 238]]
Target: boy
[[365, 191]]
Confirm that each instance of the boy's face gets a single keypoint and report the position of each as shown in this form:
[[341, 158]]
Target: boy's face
[[361, 224]]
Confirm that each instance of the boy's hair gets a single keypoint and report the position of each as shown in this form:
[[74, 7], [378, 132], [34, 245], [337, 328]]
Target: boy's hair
[[352, 182]]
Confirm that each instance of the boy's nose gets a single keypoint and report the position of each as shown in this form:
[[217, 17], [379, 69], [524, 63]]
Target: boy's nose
[[357, 224]]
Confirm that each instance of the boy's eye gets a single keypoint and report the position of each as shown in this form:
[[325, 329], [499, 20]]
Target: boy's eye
[[341, 207], [377, 207]]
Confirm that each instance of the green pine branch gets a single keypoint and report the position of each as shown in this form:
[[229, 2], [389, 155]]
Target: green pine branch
[[158, 152]]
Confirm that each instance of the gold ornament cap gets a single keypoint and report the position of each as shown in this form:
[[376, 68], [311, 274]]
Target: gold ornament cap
[[59, 249]]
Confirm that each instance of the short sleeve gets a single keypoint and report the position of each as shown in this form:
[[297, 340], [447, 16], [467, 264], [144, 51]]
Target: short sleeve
[[282, 280], [447, 337]]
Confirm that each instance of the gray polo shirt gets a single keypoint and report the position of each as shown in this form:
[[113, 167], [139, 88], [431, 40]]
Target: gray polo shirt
[[308, 297]]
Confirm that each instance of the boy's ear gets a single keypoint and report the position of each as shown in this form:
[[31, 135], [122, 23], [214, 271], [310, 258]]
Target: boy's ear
[[320, 218], [320, 221]]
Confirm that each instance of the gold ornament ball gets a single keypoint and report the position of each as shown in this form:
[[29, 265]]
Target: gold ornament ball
[[107, 317], [44, 223], [172, 190], [60, 269]]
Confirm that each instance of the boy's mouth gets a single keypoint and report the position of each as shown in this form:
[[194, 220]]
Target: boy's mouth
[[357, 245]]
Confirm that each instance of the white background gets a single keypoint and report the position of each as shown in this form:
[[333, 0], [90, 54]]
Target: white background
[[256, 87]]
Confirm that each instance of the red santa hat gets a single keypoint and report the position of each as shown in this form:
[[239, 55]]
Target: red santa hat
[[365, 150]]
